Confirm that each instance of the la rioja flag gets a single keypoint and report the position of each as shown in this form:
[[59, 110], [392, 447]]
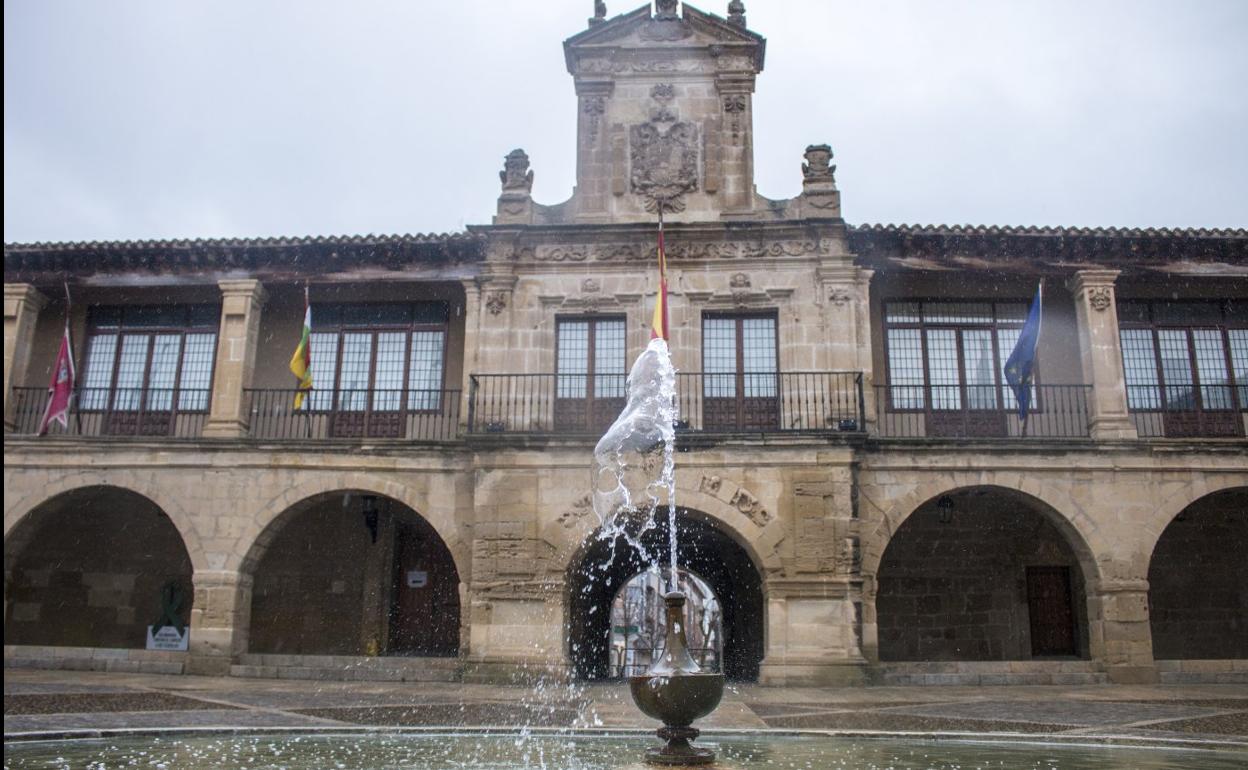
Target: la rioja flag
[[61, 389]]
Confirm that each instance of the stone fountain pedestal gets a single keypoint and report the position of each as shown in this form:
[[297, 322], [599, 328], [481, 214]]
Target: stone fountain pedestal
[[676, 692]]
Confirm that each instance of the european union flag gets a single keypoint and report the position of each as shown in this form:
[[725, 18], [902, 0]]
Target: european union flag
[[1019, 366]]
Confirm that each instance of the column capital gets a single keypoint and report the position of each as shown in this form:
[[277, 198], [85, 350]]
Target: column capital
[[243, 287], [1092, 277], [19, 294]]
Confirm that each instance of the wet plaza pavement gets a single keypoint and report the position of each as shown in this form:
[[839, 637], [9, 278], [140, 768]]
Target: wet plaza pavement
[[76, 702]]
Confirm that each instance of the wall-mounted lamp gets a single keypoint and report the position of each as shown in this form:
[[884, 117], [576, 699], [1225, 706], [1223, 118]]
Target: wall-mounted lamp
[[371, 514], [944, 506]]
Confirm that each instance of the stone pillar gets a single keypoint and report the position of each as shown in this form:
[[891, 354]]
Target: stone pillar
[[846, 294], [22, 303], [472, 343], [1121, 635], [812, 634], [1101, 353], [220, 621], [241, 303]]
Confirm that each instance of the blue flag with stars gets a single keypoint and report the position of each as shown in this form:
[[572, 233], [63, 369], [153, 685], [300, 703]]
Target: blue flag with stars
[[1020, 366]]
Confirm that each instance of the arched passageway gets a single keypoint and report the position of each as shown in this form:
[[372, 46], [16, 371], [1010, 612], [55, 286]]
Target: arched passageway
[[602, 568], [639, 622], [353, 573], [981, 574], [94, 567], [1198, 581]]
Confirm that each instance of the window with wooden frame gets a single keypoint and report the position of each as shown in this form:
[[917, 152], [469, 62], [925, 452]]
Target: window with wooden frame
[[148, 359], [1187, 358], [740, 371], [378, 358], [591, 370], [950, 355]]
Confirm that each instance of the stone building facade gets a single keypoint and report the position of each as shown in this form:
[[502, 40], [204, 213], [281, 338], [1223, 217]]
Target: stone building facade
[[853, 480]]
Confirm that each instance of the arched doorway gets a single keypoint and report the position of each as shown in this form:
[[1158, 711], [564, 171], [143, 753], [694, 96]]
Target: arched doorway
[[981, 574], [353, 573], [603, 567], [639, 622], [94, 567], [1198, 581]]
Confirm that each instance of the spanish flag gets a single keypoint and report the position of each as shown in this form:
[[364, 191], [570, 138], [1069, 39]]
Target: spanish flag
[[301, 361], [658, 326]]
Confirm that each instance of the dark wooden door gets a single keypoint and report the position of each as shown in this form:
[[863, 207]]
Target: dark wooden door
[[1049, 604], [424, 612]]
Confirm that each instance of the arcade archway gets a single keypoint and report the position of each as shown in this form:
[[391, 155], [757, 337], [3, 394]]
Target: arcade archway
[[353, 573], [981, 574], [1198, 581], [94, 567], [602, 567]]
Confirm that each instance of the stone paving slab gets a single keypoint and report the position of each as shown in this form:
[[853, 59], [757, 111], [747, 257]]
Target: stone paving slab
[[1060, 712], [95, 702], [141, 719]]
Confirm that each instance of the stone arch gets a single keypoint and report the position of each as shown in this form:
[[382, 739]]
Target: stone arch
[[1193, 490], [17, 511], [1198, 580], [94, 566], [997, 575], [279, 509], [1056, 504], [353, 572], [599, 567]]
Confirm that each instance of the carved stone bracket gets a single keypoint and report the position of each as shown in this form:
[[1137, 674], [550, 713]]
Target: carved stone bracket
[[1100, 298], [839, 296], [496, 302]]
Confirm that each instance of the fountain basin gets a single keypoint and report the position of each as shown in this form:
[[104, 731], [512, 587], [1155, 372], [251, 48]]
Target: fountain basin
[[677, 700]]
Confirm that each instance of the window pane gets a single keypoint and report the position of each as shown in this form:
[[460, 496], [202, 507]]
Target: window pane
[[324, 355], [166, 350], [388, 371], [957, 312], [901, 313], [719, 357], [98, 377], [1176, 369], [905, 368], [197, 354], [1011, 312], [130, 369], [981, 382], [357, 355], [1140, 367], [1239, 363], [1215, 385], [609, 359], [942, 367], [572, 366], [425, 374], [758, 336]]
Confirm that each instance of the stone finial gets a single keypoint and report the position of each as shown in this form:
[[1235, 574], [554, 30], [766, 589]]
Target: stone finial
[[600, 12], [516, 174], [665, 9], [817, 167], [736, 13]]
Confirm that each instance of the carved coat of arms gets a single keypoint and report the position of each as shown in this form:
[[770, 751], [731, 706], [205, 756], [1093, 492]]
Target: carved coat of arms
[[664, 164]]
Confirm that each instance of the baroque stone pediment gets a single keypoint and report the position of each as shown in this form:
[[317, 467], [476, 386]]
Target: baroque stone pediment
[[692, 28]]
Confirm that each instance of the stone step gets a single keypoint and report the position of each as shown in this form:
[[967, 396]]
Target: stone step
[[1006, 672]]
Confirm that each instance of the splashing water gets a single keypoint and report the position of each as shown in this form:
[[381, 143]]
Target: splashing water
[[634, 461]]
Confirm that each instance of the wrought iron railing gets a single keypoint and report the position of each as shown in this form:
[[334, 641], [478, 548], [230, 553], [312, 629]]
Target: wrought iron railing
[[415, 415], [974, 411], [1184, 411], [730, 402], [139, 412]]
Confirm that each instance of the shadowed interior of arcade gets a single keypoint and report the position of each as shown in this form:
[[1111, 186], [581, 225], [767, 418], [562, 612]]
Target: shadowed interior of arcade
[[1198, 581], [981, 574], [353, 573], [94, 567], [712, 563]]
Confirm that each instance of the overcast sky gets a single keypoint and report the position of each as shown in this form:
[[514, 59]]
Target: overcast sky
[[136, 119]]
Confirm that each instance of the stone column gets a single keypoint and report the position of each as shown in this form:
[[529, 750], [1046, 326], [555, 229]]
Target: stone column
[[1101, 353], [846, 295], [220, 621], [1120, 635], [241, 303], [812, 636], [472, 342], [22, 303]]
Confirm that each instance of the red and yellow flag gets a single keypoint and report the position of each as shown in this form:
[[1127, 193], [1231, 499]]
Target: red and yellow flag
[[301, 361], [658, 326]]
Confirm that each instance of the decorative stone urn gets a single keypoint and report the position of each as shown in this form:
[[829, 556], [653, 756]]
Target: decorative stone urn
[[676, 692]]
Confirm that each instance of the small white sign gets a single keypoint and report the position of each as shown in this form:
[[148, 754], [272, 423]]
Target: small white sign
[[167, 638], [417, 578]]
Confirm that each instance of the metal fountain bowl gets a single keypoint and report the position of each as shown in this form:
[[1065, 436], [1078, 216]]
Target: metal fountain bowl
[[679, 699]]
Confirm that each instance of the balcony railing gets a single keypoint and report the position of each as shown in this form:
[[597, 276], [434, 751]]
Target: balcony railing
[[138, 412], [414, 415], [918, 411], [731, 402], [1210, 411]]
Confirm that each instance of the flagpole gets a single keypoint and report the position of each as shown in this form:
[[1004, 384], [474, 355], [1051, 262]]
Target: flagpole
[[307, 412], [69, 306]]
